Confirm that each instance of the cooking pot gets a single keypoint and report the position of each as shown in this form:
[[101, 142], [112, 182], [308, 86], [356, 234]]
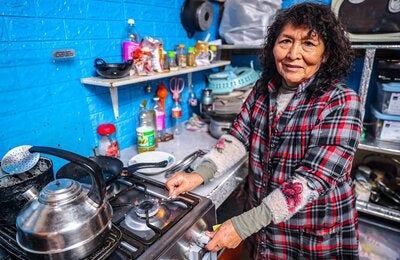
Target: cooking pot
[[196, 15], [220, 123], [112, 168], [112, 70], [66, 220], [14, 189]]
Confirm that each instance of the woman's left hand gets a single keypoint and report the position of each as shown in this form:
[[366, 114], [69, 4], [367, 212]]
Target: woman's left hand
[[225, 237]]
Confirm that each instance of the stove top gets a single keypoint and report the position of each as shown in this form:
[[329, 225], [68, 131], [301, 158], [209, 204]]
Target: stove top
[[146, 224]]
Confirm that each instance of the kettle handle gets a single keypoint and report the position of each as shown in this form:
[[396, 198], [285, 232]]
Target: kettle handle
[[98, 189]]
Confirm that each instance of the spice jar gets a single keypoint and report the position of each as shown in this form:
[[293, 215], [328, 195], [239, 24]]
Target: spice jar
[[108, 144]]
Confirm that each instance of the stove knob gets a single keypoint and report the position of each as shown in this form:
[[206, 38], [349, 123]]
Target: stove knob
[[201, 239]]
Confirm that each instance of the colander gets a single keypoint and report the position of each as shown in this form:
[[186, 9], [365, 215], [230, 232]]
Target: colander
[[19, 160], [232, 78]]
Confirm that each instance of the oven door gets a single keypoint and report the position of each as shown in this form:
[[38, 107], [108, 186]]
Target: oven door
[[378, 239]]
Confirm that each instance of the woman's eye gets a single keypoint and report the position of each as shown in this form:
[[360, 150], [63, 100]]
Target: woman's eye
[[284, 41], [309, 44]]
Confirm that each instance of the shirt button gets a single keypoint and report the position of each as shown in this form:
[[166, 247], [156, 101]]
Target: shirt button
[[275, 131], [264, 184]]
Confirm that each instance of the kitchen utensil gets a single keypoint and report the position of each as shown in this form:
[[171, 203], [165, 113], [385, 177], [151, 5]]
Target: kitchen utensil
[[184, 163], [176, 85], [67, 220], [13, 189], [151, 157], [112, 70], [390, 189], [19, 160], [192, 95], [232, 78], [112, 168], [196, 15], [220, 122]]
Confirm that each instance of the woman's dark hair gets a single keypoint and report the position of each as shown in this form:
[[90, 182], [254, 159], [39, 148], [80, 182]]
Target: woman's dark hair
[[318, 18]]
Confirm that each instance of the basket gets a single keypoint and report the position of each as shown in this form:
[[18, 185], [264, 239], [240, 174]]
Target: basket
[[232, 78]]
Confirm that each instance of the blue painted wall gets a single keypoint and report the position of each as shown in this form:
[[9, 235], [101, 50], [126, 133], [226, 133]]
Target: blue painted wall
[[42, 99]]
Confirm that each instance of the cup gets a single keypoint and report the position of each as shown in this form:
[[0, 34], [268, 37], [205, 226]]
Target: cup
[[215, 53]]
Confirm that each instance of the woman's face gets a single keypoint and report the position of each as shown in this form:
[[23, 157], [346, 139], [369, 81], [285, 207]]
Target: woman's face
[[298, 55]]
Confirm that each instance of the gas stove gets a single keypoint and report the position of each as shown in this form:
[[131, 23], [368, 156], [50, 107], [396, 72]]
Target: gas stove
[[146, 224]]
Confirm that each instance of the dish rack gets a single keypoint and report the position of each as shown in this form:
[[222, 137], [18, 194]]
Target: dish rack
[[232, 78]]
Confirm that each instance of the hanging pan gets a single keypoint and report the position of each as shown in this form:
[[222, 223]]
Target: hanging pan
[[196, 15]]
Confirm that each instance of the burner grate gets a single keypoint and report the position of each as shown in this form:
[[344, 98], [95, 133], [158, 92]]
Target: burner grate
[[9, 243]]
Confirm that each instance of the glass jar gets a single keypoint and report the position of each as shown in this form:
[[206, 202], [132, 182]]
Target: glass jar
[[108, 144]]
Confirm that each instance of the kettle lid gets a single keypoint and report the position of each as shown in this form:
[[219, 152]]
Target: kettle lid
[[60, 190]]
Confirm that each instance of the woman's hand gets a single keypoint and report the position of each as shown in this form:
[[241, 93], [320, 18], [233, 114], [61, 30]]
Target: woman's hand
[[225, 236], [182, 182]]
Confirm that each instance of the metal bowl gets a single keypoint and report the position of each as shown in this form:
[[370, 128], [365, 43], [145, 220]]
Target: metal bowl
[[112, 70]]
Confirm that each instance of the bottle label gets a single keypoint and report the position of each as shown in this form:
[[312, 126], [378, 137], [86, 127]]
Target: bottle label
[[160, 120], [128, 48], [113, 149], [176, 113], [146, 138]]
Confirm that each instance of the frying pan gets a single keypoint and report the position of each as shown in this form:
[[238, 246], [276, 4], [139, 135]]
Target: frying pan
[[112, 168]]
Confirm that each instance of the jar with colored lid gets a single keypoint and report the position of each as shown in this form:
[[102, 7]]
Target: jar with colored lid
[[108, 144]]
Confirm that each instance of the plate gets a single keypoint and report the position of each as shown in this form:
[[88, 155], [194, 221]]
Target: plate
[[152, 157]]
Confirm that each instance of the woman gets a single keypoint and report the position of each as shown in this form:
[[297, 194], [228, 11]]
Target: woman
[[300, 126]]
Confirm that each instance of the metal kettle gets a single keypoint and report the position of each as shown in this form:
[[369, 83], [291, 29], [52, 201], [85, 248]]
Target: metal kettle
[[67, 220]]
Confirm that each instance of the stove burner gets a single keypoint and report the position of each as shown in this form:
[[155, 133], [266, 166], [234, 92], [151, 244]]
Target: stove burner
[[147, 207], [136, 220]]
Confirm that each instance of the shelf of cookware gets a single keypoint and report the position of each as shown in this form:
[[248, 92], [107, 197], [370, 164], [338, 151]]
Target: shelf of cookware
[[113, 84]]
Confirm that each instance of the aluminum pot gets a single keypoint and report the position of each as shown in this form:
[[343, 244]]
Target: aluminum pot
[[220, 123], [15, 190], [66, 220]]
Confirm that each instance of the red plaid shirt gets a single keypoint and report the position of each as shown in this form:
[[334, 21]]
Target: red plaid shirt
[[315, 138]]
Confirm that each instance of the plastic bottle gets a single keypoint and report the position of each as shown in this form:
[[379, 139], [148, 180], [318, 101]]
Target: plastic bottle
[[172, 61], [190, 60], [176, 118], [145, 131], [181, 56], [132, 43], [160, 119]]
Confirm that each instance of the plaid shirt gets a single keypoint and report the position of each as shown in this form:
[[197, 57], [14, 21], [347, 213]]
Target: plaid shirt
[[315, 138]]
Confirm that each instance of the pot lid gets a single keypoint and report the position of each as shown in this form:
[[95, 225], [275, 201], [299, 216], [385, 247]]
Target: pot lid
[[60, 190]]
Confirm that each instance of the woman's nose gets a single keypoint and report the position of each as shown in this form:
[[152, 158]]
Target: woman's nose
[[294, 51]]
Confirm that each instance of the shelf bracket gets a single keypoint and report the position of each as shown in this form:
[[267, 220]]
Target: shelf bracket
[[114, 100]]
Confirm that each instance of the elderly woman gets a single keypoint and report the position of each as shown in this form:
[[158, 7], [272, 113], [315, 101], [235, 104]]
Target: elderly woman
[[300, 127]]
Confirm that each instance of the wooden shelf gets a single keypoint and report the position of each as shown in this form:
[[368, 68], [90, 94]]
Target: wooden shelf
[[113, 84]]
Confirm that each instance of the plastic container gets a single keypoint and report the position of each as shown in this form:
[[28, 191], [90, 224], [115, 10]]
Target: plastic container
[[172, 61], [190, 60], [133, 42], [389, 97], [386, 127], [146, 140], [108, 144], [181, 56], [176, 118], [160, 119], [215, 53]]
